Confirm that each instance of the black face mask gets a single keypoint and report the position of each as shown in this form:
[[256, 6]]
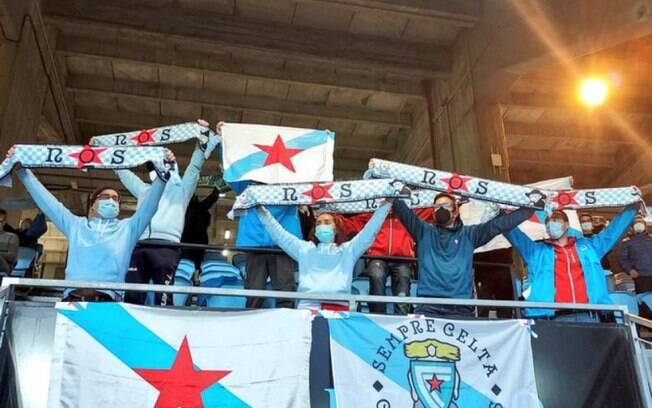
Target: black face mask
[[442, 216]]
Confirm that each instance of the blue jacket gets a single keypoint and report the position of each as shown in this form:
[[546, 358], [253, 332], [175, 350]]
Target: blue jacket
[[167, 224], [636, 253], [251, 232], [445, 255], [540, 259], [98, 250], [324, 268]]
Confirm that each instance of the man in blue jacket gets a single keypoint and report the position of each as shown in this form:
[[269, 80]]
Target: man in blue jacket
[[280, 268], [445, 250], [636, 256], [566, 269]]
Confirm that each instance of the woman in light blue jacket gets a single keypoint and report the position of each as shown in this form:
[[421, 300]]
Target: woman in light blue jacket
[[326, 262]]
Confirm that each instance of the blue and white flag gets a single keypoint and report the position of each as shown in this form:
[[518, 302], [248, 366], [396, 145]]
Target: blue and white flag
[[273, 154], [118, 355], [405, 361]]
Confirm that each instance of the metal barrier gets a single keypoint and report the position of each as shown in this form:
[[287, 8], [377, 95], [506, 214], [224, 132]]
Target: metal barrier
[[9, 286]]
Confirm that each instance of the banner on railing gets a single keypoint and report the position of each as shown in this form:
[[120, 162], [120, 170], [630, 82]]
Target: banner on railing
[[392, 361], [118, 355]]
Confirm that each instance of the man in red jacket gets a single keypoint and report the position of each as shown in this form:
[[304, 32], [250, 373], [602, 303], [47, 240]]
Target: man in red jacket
[[392, 240]]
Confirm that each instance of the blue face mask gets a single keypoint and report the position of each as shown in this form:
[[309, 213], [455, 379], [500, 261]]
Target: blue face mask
[[107, 209], [325, 233], [555, 229]]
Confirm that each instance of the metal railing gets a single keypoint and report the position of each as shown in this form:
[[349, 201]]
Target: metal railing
[[9, 286]]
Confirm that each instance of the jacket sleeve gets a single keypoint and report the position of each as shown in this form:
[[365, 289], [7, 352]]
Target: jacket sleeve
[[147, 209], [485, 232], [38, 227], [361, 242], [191, 174], [290, 244], [608, 237], [136, 187], [522, 243], [57, 212], [412, 223], [353, 224], [210, 200], [624, 258]]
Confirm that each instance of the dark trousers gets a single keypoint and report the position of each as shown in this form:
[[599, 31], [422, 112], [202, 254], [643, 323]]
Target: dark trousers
[[400, 272], [157, 264], [279, 268], [643, 284], [446, 311]]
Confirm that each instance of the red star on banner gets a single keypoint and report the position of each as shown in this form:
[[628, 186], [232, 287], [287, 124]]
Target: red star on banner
[[564, 199], [319, 192], [145, 136], [456, 182], [181, 385], [87, 155], [435, 383], [278, 153]]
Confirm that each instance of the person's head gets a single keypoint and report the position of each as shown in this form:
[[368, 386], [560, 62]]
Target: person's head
[[557, 224], [3, 216], [446, 210], [104, 203], [25, 223], [639, 226], [586, 221], [327, 229]]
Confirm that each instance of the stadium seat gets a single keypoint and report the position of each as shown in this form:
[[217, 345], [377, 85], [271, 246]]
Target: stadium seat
[[360, 286], [627, 299], [216, 272], [645, 298], [240, 261], [183, 277], [23, 261]]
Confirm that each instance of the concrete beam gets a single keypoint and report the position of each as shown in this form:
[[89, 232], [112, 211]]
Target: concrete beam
[[83, 84], [233, 34], [460, 13], [595, 134], [124, 50], [129, 121], [631, 106]]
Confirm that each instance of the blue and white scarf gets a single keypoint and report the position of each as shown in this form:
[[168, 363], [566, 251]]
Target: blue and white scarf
[[82, 157], [161, 136], [317, 194], [505, 193]]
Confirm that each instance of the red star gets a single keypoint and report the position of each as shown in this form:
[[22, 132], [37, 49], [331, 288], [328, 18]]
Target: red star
[[181, 385], [435, 383], [564, 199], [456, 182], [145, 136], [87, 155], [278, 153], [319, 192]]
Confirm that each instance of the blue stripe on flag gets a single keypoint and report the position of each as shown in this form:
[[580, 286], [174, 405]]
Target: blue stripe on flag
[[361, 335], [135, 345], [256, 160]]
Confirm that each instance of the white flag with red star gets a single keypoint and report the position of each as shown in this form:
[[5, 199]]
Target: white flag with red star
[[119, 355], [273, 154]]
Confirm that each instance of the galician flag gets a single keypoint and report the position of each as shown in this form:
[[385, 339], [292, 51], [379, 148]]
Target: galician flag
[[119, 355], [273, 154], [418, 362]]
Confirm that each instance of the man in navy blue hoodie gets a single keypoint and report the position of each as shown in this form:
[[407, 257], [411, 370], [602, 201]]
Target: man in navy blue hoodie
[[445, 250], [280, 268]]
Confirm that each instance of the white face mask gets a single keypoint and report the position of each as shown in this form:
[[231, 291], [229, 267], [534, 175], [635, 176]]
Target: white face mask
[[152, 175], [639, 227], [587, 226]]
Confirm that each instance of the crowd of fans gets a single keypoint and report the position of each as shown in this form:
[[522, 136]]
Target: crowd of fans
[[326, 247]]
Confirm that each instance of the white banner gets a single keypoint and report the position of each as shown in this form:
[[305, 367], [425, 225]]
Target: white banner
[[119, 355], [274, 154], [405, 361]]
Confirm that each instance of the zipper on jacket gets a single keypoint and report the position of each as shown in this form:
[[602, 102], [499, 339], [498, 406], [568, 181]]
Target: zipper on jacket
[[570, 277], [391, 233]]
